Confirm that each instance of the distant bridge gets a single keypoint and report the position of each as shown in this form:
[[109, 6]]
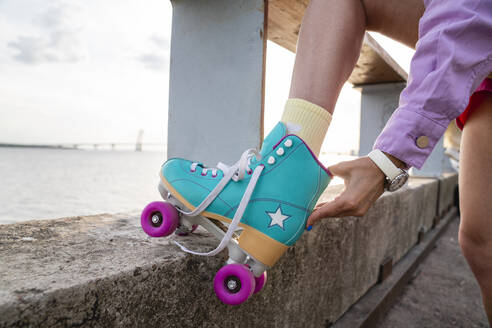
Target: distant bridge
[[85, 145], [95, 146]]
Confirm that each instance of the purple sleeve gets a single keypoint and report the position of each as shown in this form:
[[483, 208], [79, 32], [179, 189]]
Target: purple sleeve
[[453, 55]]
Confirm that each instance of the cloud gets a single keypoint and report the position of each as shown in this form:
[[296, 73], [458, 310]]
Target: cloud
[[57, 47], [57, 41], [153, 61], [161, 42], [157, 57]]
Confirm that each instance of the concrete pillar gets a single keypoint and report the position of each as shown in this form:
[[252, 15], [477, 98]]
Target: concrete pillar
[[138, 144], [217, 71], [378, 102]]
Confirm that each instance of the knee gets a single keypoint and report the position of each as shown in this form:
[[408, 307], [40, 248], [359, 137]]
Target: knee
[[477, 249], [372, 10]]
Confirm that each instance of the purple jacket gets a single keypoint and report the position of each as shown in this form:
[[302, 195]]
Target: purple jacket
[[453, 55]]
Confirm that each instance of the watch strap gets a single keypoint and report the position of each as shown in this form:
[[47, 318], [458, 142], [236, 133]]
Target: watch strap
[[385, 164]]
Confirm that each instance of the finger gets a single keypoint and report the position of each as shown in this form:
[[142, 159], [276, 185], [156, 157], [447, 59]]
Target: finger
[[329, 209], [340, 169], [336, 169]]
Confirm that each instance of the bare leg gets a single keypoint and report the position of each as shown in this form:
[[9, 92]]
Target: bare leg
[[331, 37], [475, 189], [329, 44]]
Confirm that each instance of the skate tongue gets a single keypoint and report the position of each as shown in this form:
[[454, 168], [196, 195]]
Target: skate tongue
[[278, 132]]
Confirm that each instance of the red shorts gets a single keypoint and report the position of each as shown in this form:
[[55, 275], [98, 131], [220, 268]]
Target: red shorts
[[476, 99]]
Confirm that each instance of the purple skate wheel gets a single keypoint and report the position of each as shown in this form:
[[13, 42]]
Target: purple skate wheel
[[260, 282], [159, 219], [234, 284]]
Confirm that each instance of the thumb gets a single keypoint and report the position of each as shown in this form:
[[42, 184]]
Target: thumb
[[336, 206], [329, 209], [339, 169]]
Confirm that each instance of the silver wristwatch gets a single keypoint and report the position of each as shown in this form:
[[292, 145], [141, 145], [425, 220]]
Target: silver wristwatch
[[395, 177]]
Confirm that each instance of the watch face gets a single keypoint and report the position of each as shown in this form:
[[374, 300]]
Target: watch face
[[398, 182]]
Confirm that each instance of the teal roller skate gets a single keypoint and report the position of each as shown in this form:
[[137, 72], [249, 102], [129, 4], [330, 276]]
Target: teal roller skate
[[257, 207]]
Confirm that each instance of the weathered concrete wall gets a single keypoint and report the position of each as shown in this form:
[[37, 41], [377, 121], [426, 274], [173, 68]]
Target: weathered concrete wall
[[103, 271], [448, 187]]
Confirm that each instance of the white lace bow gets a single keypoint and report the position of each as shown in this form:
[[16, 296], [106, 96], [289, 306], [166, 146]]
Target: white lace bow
[[235, 172]]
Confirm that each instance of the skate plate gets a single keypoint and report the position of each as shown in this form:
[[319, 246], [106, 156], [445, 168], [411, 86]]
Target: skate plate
[[218, 229]]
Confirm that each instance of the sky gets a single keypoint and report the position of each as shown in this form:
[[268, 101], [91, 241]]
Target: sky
[[98, 71]]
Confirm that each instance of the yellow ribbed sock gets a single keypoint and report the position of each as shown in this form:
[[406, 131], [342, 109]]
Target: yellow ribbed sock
[[308, 121]]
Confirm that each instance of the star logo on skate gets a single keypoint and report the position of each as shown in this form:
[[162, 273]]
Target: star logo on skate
[[277, 218]]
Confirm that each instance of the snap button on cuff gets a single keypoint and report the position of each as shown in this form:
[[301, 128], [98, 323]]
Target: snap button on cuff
[[422, 141]]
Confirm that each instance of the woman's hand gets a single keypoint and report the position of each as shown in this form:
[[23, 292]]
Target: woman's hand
[[364, 183]]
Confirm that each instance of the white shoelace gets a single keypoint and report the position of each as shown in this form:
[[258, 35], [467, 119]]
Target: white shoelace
[[235, 172]]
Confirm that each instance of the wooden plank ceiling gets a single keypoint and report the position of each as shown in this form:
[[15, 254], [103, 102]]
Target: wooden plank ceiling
[[375, 65]]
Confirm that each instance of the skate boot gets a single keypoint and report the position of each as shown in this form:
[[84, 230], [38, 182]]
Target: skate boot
[[257, 207]]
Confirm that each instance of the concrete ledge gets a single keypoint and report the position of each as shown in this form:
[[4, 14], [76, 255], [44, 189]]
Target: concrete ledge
[[102, 271], [373, 306], [448, 188]]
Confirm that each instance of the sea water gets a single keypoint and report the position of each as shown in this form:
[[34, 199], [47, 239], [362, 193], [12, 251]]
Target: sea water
[[55, 183]]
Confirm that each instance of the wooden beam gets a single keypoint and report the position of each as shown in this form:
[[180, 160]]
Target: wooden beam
[[375, 65], [284, 21]]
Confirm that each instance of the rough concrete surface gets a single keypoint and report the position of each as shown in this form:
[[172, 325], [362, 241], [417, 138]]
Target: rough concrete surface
[[443, 292], [103, 271], [372, 307], [448, 188]]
